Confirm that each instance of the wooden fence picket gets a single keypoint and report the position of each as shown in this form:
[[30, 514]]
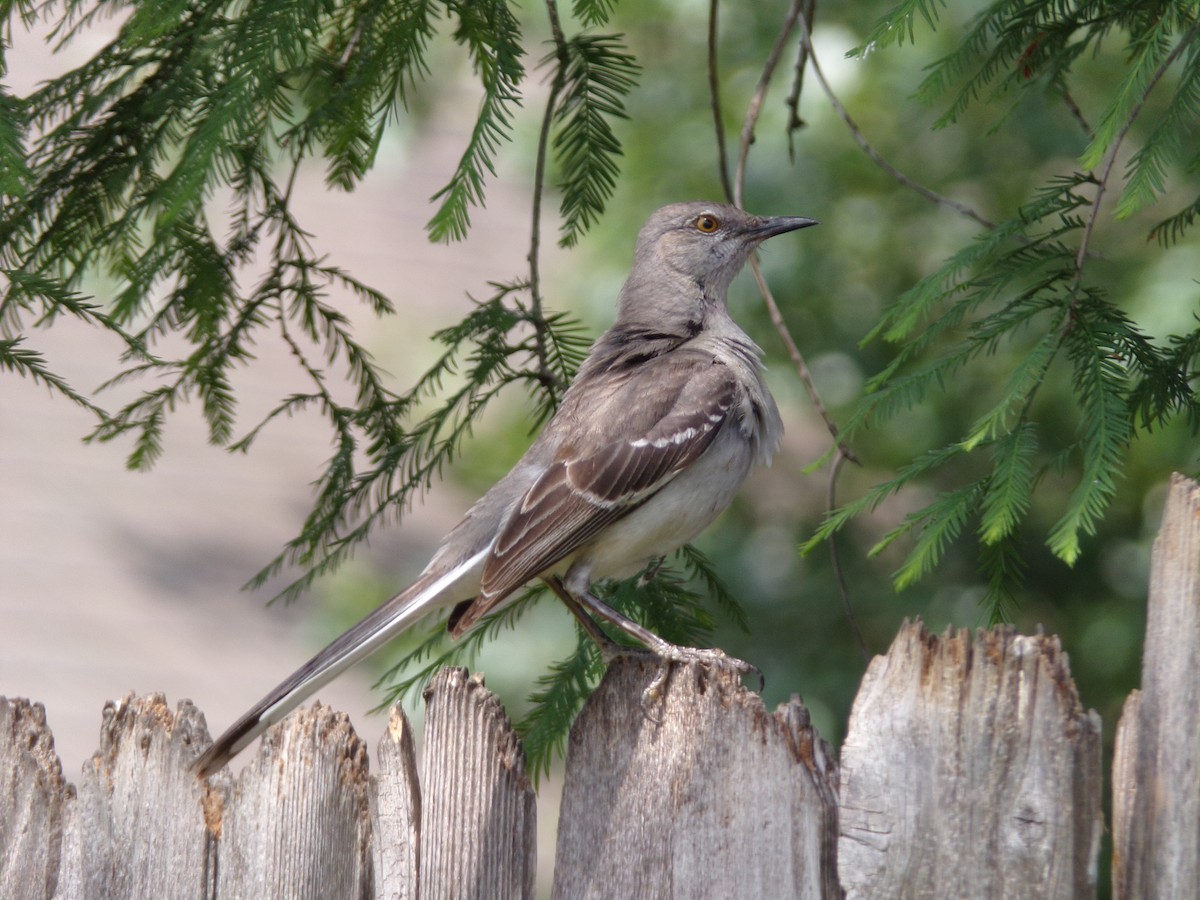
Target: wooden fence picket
[[970, 769], [703, 790], [1156, 764]]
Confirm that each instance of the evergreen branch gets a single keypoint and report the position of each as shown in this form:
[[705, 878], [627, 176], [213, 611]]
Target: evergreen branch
[[1102, 389], [888, 392], [563, 345], [983, 267], [1004, 565], [1122, 114], [552, 384], [32, 365], [898, 24], [556, 700], [1025, 378], [598, 74], [1166, 386], [1152, 56], [362, 80], [593, 12], [1171, 230], [492, 35], [837, 519], [14, 170], [940, 523], [288, 406], [1009, 491], [27, 292], [1009, 43], [698, 567], [1146, 172]]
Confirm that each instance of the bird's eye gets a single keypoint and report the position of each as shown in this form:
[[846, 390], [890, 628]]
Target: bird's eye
[[707, 224]]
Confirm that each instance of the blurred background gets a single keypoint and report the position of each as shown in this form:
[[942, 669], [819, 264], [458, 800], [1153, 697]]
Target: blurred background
[[112, 581]]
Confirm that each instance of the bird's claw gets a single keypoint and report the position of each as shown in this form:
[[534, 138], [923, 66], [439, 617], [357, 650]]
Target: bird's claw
[[716, 659], [669, 655]]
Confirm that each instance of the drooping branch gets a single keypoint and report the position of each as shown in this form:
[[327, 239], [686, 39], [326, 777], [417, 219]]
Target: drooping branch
[[714, 93], [1110, 157], [541, 336], [809, 54]]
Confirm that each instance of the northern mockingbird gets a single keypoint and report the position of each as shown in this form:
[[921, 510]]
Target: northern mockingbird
[[662, 424]]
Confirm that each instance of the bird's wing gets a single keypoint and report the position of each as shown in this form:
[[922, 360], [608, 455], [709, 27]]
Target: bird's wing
[[664, 422]]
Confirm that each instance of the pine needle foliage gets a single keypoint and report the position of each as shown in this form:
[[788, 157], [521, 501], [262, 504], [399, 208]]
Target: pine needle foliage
[[164, 168], [1026, 285], [597, 76]]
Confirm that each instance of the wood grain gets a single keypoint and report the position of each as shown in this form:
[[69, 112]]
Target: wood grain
[[703, 794], [970, 769], [1156, 775]]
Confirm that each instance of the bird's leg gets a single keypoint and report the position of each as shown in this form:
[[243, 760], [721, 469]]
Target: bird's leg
[[584, 602], [609, 649]]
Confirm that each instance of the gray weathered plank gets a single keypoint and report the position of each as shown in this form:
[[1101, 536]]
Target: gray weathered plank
[[970, 769], [1156, 777], [702, 794], [136, 827], [396, 813], [32, 795], [478, 810], [296, 823]]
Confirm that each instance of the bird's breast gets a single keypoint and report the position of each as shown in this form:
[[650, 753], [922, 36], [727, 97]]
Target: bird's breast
[[675, 515]]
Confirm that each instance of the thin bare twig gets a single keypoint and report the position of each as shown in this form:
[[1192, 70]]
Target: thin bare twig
[[797, 358], [352, 44], [714, 94], [1076, 113], [541, 332], [860, 139], [1110, 157], [795, 123], [750, 121], [754, 109]]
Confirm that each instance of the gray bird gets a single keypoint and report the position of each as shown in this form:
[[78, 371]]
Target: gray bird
[[652, 440]]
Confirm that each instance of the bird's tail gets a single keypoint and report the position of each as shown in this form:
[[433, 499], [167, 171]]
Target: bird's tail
[[365, 638]]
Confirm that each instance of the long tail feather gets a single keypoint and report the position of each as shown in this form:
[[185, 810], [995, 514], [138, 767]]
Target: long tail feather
[[360, 641]]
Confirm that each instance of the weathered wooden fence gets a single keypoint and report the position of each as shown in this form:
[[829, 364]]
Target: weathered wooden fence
[[970, 769]]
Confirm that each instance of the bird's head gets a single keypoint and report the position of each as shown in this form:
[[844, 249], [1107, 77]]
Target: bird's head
[[708, 243]]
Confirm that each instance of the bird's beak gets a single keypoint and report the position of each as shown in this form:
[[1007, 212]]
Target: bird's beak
[[769, 226]]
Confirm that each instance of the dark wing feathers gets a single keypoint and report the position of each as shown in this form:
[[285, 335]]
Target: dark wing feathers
[[624, 470], [612, 471]]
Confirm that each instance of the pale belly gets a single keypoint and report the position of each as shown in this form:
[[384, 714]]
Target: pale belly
[[674, 516]]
